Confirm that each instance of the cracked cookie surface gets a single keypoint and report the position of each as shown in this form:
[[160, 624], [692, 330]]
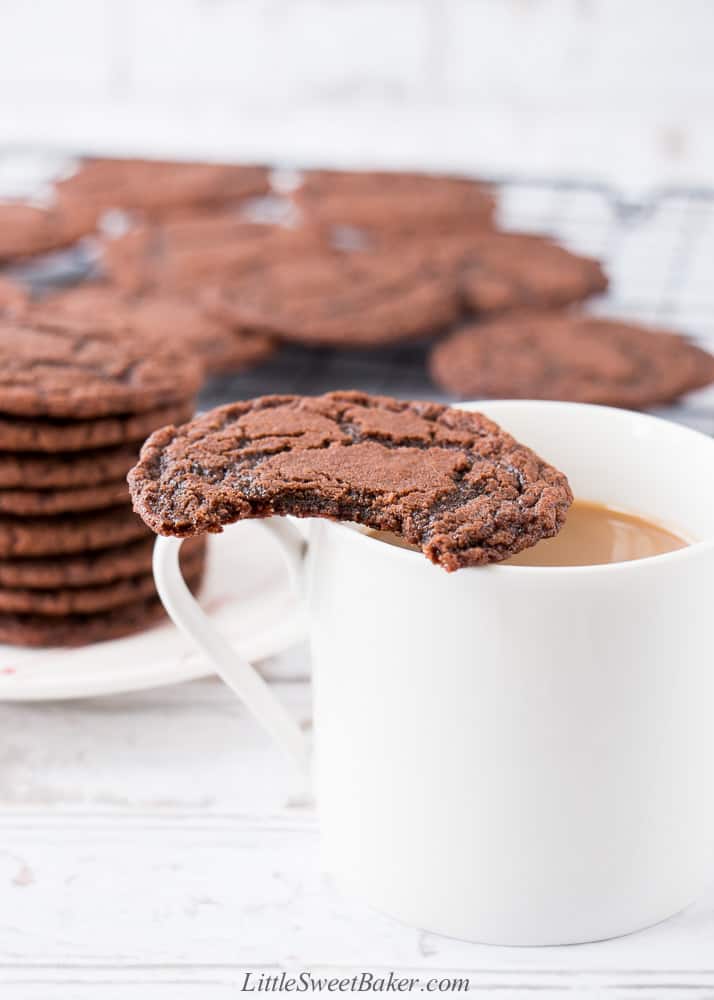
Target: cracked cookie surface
[[360, 299], [50, 372], [569, 357], [158, 319], [449, 481]]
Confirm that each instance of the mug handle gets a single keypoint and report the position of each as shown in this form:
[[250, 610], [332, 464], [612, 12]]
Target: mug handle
[[238, 673]]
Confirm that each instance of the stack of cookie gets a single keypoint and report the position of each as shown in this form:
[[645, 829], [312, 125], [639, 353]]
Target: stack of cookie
[[75, 561]]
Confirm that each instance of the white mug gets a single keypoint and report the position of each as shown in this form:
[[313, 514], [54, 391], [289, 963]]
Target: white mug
[[509, 754]]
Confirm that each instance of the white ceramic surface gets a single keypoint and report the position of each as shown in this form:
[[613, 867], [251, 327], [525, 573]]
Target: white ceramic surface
[[508, 754], [245, 591]]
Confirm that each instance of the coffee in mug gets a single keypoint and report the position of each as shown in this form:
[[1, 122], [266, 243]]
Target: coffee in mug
[[594, 534]]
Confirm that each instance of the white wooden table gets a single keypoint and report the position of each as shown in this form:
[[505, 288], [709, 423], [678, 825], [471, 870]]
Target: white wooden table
[[151, 845]]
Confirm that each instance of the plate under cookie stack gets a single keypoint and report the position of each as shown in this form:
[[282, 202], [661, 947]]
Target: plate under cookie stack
[[75, 561]]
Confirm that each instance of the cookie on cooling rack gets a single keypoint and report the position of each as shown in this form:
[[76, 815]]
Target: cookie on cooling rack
[[393, 202], [158, 186], [569, 356], [341, 299]]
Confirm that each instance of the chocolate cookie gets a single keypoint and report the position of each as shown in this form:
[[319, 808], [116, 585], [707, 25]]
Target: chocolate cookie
[[92, 599], [88, 569], [496, 272], [346, 299], [156, 186], [82, 629], [159, 319], [26, 536], [72, 470], [449, 481], [403, 203], [27, 229], [79, 435], [570, 357], [39, 503], [180, 255], [46, 371]]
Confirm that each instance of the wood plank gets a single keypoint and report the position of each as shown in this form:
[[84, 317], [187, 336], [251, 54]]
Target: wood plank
[[191, 745], [190, 888], [157, 844]]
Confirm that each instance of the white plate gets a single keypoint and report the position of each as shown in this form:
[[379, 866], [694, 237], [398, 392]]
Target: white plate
[[245, 591]]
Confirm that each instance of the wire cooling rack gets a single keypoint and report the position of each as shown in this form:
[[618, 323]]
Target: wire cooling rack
[[658, 252]]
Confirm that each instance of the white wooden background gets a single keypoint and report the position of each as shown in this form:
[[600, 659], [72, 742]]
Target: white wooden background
[[154, 846], [623, 91]]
